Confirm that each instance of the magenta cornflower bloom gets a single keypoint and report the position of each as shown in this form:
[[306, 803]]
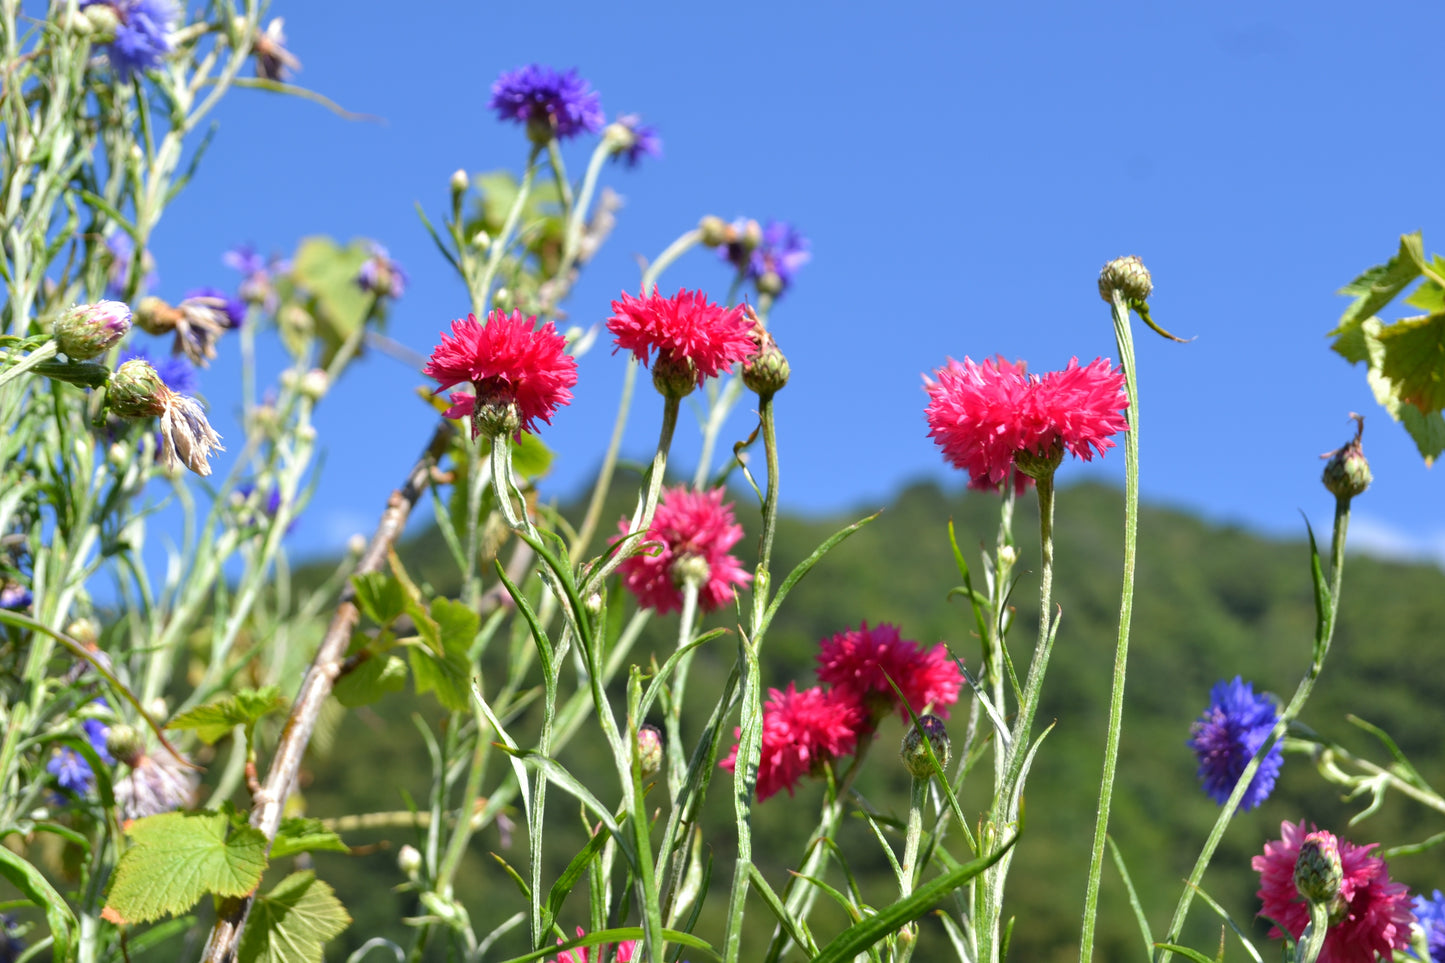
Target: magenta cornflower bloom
[[983, 416], [622, 953], [862, 660], [509, 361], [686, 330], [550, 102], [691, 534], [1374, 916], [802, 731], [1228, 735]]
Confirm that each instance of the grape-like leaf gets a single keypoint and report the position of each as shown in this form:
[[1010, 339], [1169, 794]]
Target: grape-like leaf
[[176, 858], [291, 922], [370, 680], [1414, 359], [217, 718]]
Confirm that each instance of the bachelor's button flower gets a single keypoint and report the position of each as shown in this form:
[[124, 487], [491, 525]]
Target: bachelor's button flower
[[633, 139], [1373, 917], [802, 732], [142, 35], [690, 537], [512, 365], [773, 260], [862, 660], [135, 390], [1228, 735], [621, 953], [694, 338], [257, 274], [72, 773], [380, 275], [549, 102], [1430, 913]]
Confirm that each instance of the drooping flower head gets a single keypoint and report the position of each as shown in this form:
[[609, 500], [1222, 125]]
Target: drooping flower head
[[689, 538], [985, 416], [156, 783], [142, 32], [1430, 913], [1373, 916], [231, 305], [175, 371], [622, 953], [380, 275], [510, 362], [197, 322], [862, 660], [1228, 735], [273, 60], [633, 139], [769, 259], [551, 103], [802, 731], [692, 336]]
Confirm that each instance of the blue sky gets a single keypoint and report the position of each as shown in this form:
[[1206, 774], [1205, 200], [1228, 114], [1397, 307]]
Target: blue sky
[[962, 175]]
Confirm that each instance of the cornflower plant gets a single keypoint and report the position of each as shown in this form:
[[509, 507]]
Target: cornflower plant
[[154, 734]]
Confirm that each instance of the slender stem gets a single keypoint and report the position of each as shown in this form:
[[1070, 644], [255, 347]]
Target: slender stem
[[1324, 633], [45, 352], [1124, 338], [584, 201], [647, 505], [482, 292], [908, 937], [664, 260]]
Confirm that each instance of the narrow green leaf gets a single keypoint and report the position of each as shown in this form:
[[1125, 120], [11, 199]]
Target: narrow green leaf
[[563, 886], [372, 679], [176, 858], [1134, 903], [437, 240], [29, 881], [806, 565], [276, 87], [1403, 767], [299, 835], [619, 934], [292, 922], [1185, 951], [217, 718]]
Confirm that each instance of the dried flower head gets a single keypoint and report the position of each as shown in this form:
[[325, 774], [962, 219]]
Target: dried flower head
[[273, 60], [549, 102], [135, 390], [802, 732], [688, 332], [155, 784], [862, 660], [198, 323], [690, 537], [510, 363], [1226, 737], [1373, 918]]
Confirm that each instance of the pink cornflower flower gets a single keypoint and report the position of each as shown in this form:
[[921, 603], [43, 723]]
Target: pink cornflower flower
[[857, 660], [1374, 916], [690, 535], [983, 416], [623, 952], [508, 361], [801, 732], [683, 329]]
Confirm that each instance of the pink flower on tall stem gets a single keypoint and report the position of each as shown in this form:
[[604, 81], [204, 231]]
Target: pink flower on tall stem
[[862, 660], [1375, 915], [802, 731], [623, 953], [508, 361], [983, 416], [690, 536], [681, 329]]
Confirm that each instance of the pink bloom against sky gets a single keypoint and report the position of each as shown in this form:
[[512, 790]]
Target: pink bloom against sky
[[684, 327]]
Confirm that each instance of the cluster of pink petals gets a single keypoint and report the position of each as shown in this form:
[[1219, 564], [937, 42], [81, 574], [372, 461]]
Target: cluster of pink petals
[[802, 731], [1377, 912], [623, 952], [684, 327], [508, 357], [687, 524], [861, 661], [982, 415]]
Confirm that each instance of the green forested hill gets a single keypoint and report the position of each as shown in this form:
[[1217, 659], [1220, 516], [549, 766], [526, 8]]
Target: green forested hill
[[1212, 602]]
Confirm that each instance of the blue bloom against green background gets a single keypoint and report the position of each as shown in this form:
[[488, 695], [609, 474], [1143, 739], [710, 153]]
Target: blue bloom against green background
[[1228, 735]]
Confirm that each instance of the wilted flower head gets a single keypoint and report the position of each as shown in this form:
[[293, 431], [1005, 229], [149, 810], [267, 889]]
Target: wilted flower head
[[771, 262], [119, 250], [633, 139], [1430, 913], [142, 36], [198, 323], [273, 60], [1373, 917], [802, 731], [511, 364], [688, 332], [690, 537], [135, 390], [155, 784], [549, 102], [985, 416], [1226, 737], [88, 331], [231, 304], [380, 275], [621, 953], [862, 660]]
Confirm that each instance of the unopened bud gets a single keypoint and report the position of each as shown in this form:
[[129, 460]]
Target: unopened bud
[[481, 241], [1129, 276], [1007, 555], [356, 545], [502, 299], [1347, 473], [752, 235], [767, 371], [1318, 872], [712, 231], [89, 330], [913, 753], [593, 603], [125, 743], [690, 569], [136, 391], [408, 860], [649, 751], [296, 319], [673, 376], [314, 384], [770, 283], [103, 21], [84, 631], [459, 184]]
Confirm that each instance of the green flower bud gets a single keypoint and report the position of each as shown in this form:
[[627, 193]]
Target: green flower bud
[[712, 231], [1347, 473], [649, 751], [459, 183], [770, 283], [690, 569], [1040, 464], [674, 377], [89, 330], [1318, 872], [913, 753], [125, 743], [495, 412], [1129, 276], [103, 21], [408, 860], [767, 371], [136, 391]]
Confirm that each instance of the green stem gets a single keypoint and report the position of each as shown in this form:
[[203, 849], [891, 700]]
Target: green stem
[[647, 505], [908, 937], [1324, 633], [584, 201], [1124, 338], [482, 292], [43, 353]]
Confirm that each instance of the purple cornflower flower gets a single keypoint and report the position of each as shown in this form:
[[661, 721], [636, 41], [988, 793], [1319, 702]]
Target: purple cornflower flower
[[11, 945], [380, 275], [231, 304], [13, 595], [772, 264], [174, 370], [1228, 735], [550, 103], [142, 33], [72, 773], [256, 274], [121, 249], [269, 508], [1430, 913], [96, 732], [635, 139]]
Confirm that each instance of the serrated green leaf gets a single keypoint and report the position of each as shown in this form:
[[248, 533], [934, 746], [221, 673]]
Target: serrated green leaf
[[327, 271], [379, 596], [372, 679], [1379, 285], [1351, 340], [440, 663], [292, 922], [1414, 359], [176, 858], [1428, 431], [217, 718], [28, 880], [299, 835], [1429, 296], [531, 458]]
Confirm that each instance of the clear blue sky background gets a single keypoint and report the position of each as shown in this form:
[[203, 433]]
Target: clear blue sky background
[[962, 170]]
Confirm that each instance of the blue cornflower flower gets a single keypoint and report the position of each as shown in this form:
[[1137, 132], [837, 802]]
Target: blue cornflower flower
[[121, 249], [634, 139], [269, 508], [773, 262], [71, 771], [232, 305], [550, 103], [142, 33], [257, 272], [96, 733], [13, 595], [11, 945], [380, 275], [178, 374], [1228, 735], [1430, 912]]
